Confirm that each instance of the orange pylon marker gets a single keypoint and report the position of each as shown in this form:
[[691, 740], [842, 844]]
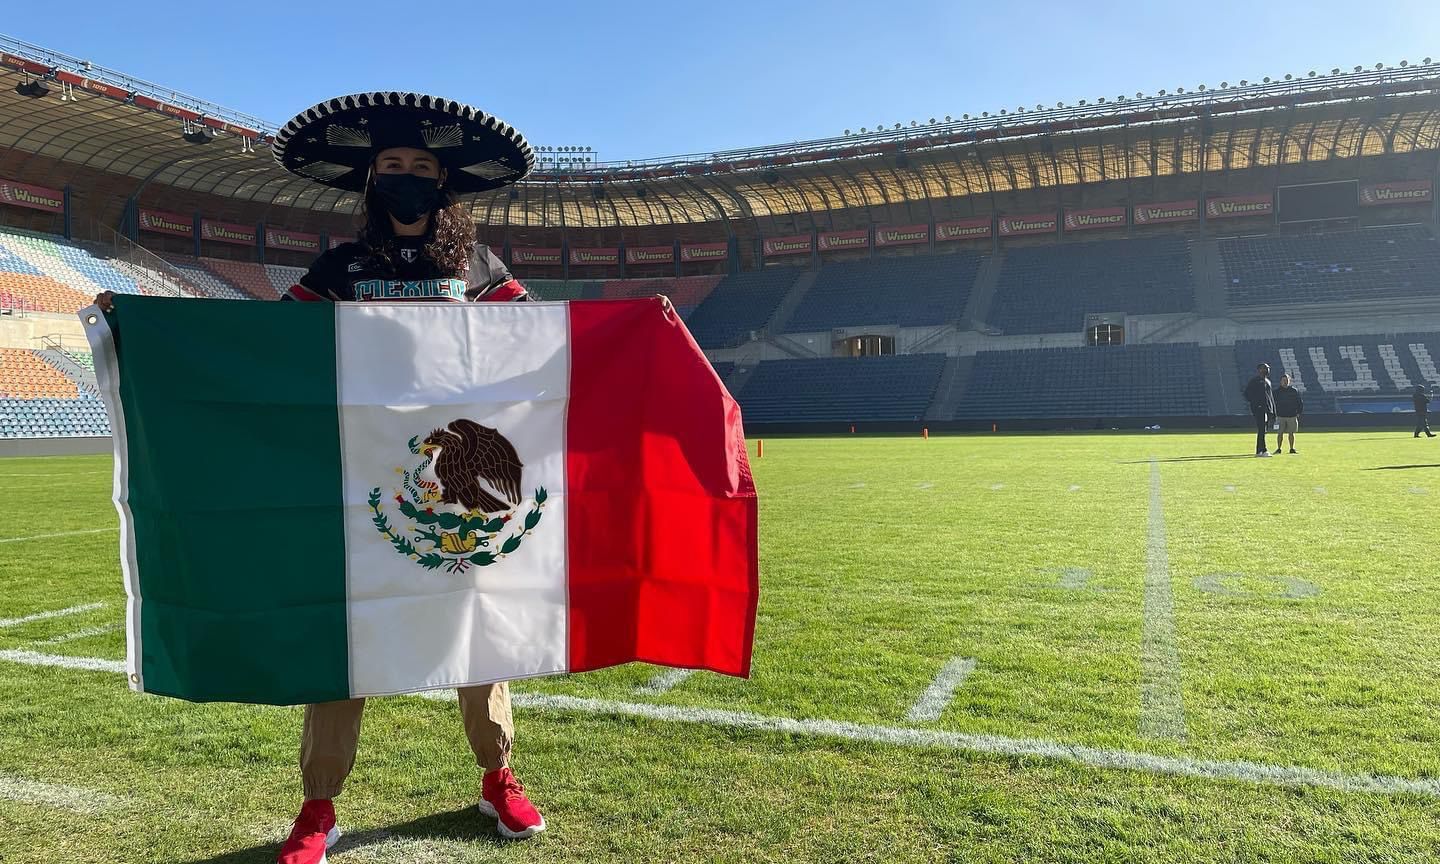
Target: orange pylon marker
[[925, 433], [760, 449]]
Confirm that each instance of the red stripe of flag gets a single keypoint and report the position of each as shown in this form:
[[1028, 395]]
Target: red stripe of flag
[[661, 507]]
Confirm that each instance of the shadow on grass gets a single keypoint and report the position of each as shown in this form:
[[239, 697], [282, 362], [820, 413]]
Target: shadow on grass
[[1192, 458], [457, 826], [1400, 467]]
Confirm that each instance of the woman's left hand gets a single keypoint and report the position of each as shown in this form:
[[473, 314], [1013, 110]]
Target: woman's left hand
[[666, 305]]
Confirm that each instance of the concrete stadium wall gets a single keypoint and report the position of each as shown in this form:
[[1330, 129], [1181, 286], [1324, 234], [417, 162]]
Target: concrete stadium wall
[[26, 330], [56, 446]]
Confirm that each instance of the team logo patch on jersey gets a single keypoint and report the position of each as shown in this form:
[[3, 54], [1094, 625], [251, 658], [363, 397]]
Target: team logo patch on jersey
[[457, 504], [409, 255], [355, 267]]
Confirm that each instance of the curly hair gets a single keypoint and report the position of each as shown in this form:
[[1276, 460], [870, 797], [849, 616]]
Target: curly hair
[[449, 238]]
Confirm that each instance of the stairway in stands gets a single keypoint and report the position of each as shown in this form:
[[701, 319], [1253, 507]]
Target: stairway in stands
[[776, 325], [1222, 381], [1209, 274], [66, 364], [982, 295], [951, 389]]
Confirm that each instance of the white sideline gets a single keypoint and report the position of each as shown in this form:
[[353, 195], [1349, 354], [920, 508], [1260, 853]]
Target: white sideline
[[932, 702], [1210, 769], [53, 613], [70, 798], [666, 681], [1162, 707], [56, 534]]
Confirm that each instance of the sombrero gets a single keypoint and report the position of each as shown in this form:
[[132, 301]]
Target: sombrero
[[334, 142]]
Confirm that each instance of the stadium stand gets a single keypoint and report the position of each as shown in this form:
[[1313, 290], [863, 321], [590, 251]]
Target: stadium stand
[[211, 284], [281, 277], [23, 375], [559, 289], [1392, 263], [1049, 289], [909, 292], [1115, 381], [1324, 368], [249, 277], [39, 294], [842, 389], [739, 304], [686, 292], [53, 418], [66, 263]]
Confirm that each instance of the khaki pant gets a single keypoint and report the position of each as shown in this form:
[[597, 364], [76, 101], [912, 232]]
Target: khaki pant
[[332, 735]]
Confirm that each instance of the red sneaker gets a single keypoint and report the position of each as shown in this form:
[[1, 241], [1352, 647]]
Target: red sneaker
[[314, 832], [503, 797]]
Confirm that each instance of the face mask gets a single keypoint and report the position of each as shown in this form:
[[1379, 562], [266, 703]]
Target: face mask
[[407, 197]]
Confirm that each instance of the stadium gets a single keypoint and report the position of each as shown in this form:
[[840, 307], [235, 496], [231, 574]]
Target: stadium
[[998, 364]]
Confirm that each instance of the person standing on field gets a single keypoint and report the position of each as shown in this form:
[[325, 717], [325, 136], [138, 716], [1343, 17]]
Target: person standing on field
[[1422, 412], [1259, 395], [1288, 408]]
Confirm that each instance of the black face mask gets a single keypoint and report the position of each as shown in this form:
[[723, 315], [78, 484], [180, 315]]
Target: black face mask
[[407, 197]]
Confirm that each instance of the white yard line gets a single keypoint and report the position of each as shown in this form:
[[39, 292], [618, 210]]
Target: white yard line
[[1074, 488], [666, 681], [57, 534], [89, 664], [997, 487], [1162, 708], [932, 702], [71, 798], [54, 613], [80, 634], [1250, 772]]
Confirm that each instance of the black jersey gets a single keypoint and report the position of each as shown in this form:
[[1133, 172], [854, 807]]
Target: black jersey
[[348, 272]]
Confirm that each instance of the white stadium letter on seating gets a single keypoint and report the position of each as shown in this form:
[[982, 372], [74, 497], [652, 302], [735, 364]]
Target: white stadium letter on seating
[[1393, 367], [1290, 366]]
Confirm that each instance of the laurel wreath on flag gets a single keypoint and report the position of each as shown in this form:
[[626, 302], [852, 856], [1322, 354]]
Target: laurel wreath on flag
[[484, 528]]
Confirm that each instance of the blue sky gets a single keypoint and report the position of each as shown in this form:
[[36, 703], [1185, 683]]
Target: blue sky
[[639, 79]]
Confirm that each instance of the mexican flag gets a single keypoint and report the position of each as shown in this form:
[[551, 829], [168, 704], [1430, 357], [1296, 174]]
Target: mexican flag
[[321, 501]]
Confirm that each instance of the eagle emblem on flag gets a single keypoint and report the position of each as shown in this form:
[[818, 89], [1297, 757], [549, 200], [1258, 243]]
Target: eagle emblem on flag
[[458, 500]]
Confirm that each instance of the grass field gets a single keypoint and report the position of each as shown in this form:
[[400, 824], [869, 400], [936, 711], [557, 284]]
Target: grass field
[[1052, 649]]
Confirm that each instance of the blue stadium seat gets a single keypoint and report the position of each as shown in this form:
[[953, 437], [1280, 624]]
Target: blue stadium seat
[[740, 304], [842, 389], [908, 292], [1326, 367], [1370, 264], [1050, 289], [1108, 381]]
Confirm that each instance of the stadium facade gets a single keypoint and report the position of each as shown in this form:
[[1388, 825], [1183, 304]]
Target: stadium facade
[[1112, 263]]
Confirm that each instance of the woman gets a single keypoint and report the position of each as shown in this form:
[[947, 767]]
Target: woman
[[410, 155]]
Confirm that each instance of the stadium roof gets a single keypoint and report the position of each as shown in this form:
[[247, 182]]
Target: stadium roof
[[108, 121]]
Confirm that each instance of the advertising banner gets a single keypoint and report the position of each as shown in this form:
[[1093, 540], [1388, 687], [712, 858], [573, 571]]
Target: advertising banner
[[536, 256], [225, 232], [691, 253], [904, 235], [33, 197], [1031, 223], [1088, 220], [1402, 192], [649, 254], [1167, 211], [974, 228], [592, 257], [281, 238], [1233, 206], [834, 241], [161, 222], [798, 244]]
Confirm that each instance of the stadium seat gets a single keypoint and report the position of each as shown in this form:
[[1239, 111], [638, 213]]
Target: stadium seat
[[1324, 368], [211, 284], [1050, 289], [909, 292], [1370, 264], [248, 276], [841, 389], [63, 262], [739, 305], [1108, 381]]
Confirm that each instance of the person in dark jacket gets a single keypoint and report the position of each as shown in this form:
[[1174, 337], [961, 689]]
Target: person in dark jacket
[[1288, 408], [1422, 412], [1260, 396]]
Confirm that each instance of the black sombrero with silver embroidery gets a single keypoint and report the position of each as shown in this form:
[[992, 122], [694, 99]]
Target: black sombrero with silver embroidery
[[334, 142]]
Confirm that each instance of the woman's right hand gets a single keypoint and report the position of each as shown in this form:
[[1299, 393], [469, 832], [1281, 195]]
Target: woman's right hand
[[106, 301]]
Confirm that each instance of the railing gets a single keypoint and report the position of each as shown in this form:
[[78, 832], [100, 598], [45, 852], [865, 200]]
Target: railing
[[158, 273]]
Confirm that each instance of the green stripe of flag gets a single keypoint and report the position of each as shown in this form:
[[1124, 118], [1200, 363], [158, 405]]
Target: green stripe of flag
[[252, 456]]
